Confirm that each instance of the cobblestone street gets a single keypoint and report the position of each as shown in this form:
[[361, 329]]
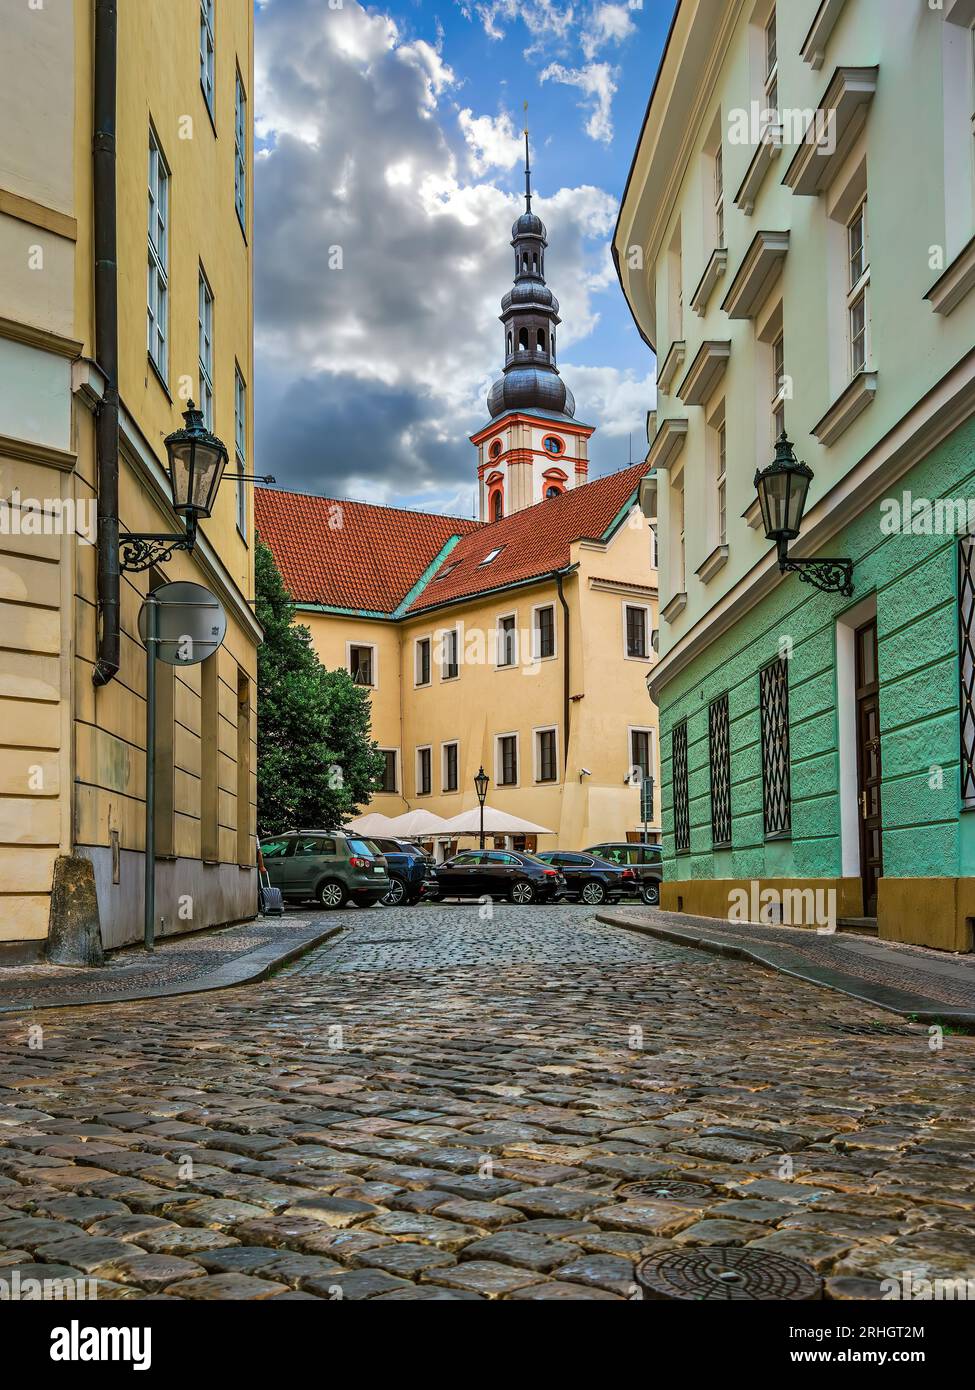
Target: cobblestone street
[[434, 1105]]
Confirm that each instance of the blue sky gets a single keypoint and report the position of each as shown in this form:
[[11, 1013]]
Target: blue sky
[[388, 172]]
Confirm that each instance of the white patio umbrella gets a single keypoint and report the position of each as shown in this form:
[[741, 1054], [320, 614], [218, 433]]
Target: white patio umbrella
[[419, 822], [373, 823], [495, 823]]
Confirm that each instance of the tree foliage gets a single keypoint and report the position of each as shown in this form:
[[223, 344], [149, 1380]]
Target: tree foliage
[[317, 764]]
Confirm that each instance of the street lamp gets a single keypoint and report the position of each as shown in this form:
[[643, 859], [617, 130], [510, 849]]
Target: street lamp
[[782, 490], [480, 786], [196, 460]]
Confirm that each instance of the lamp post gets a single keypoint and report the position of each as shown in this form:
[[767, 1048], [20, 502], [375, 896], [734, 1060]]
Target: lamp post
[[782, 489], [480, 786]]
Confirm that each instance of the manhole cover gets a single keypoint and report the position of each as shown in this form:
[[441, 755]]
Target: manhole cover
[[663, 1191], [716, 1273]]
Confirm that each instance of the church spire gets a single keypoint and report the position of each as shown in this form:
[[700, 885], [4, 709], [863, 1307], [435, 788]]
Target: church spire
[[528, 167]]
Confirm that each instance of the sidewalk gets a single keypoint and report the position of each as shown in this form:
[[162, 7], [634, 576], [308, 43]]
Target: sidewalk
[[929, 986], [186, 964]]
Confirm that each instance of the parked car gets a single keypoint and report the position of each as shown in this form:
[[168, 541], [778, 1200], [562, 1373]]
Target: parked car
[[410, 870], [646, 861], [328, 865], [591, 879], [497, 873]]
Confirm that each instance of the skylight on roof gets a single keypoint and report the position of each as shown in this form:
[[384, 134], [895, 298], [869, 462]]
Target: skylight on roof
[[492, 555], [447, 569]]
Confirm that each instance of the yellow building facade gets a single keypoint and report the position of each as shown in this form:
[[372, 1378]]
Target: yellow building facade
[[179, 78]]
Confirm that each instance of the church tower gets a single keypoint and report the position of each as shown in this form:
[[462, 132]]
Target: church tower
[[534, 447]]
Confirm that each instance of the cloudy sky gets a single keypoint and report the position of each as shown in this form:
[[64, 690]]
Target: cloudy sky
[[388, 173]]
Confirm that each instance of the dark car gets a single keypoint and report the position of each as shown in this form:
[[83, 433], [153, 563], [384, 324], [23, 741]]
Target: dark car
[[328, 865], [591, 879], [410, 870], [646, 861], [499, 873]]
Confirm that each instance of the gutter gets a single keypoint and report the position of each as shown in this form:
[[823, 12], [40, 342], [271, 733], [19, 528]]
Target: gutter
[[106, 337]]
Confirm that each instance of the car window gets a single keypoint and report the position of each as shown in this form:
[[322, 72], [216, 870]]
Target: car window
[[513, 859], [576, 859], [497, 856], [362, 847], [388, 846], [464, 859], [615, 854], [275, 849]]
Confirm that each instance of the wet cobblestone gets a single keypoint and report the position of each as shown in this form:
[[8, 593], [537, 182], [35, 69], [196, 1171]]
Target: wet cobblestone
[[444, 1105]]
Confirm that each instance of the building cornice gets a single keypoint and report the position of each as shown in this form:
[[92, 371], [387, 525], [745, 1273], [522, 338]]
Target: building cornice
[[32, 336]]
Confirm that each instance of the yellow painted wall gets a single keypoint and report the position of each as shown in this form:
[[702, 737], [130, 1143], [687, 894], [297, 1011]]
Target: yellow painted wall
[[485, 701]]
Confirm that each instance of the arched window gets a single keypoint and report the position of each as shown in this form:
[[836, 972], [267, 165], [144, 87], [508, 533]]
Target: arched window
[[524, 260], [535, 263], [496, 448], [497, 505], [553, 490], [509, 344], [522, 339], [541, 340], [553, 344]]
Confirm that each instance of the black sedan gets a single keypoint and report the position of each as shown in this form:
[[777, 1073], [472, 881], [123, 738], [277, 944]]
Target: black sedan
[[590, 879], [497, 873]]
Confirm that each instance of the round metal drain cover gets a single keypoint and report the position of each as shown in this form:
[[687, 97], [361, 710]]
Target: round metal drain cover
[[663, 1191], [719, 1273]]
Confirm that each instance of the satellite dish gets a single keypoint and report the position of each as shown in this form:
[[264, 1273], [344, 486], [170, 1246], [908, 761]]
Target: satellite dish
[[190, 623]]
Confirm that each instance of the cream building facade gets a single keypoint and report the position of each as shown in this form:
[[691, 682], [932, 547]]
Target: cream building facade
[[171, 81]]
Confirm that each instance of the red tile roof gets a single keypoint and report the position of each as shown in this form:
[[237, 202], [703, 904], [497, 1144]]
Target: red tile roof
[[533, 542], [350, 554], [377, 555]]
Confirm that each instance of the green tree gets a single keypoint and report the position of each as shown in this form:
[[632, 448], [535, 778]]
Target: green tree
[[317, 764]]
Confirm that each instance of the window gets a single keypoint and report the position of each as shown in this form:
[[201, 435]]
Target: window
[[776, 773], [497, 512], [388, 781], [771, 69], [637, 621], [423, 779], [422, 672], [495, 448], [720, 486], [546, 756], [858, 284], [275, 849], [240, 153], [449, 655], [507, 641], [675, 288], [245, 833], [966, 664], [450, 767], [682, 820], [553, 490], [719, 197], [508, 760], [492, 555], [206, 52], [157, 289], [210, 759], [678, 565], [362, 665], [206, 350], [641, 764], [544, 632], [778, 386], [314, 844], [240, 447], [552, 445], [719, 754]]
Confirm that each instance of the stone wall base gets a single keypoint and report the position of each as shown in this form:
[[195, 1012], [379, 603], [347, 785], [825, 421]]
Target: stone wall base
[[934, 912]]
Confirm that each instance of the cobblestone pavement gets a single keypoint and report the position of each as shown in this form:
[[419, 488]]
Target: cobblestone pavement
[[441, 1106]]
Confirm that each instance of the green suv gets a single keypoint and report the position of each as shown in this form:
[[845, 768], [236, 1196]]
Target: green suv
[[327, 865]]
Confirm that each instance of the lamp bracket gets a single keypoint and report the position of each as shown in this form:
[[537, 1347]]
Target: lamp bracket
[[140, 551], [829, 576]]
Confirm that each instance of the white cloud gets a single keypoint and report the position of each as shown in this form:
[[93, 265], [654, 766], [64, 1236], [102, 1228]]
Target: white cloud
[[608, 23], [597, 82], [492, 140]]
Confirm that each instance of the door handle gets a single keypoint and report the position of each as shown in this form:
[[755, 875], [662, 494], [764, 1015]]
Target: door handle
[[863, 805]]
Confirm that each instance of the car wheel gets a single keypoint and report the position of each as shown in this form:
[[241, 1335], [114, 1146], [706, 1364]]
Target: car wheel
[[650, 894], [522, 892], [593, 894], [397, 892], [332, 894]]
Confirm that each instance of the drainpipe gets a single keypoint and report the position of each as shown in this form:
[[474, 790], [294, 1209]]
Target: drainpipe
[[565, 667], [106, 337]]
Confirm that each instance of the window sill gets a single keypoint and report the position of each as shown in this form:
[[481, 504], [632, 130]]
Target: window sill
[[950, 289], [769, 145], [752, 515], [715, 561], [845, 409], [713, 272], [674, 608], [671, 365]]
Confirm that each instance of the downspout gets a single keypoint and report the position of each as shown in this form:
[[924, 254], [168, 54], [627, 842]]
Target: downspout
[[106, 337], [565, 668]]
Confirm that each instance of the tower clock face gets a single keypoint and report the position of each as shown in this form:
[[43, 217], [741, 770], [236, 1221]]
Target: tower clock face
[[552, 445]]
